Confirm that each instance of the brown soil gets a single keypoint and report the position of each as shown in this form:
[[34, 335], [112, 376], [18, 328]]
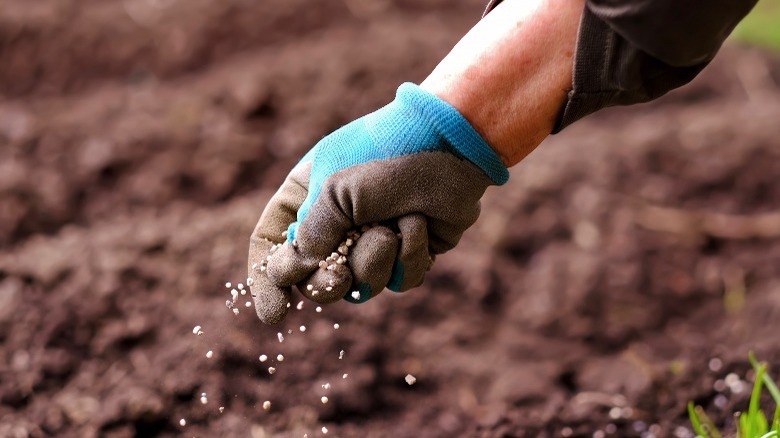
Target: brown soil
[[140, 139]]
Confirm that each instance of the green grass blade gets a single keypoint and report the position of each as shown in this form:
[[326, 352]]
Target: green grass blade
[[776, 420], [707, 423], [696, 422], [770, 384]]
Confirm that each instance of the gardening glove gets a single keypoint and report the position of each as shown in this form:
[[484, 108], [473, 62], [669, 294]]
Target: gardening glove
[[404, 181]]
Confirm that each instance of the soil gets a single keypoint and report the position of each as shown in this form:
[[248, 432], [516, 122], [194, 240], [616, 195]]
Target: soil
[[140, 139]]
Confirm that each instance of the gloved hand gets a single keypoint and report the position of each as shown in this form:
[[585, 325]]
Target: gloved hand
[[413, 170]]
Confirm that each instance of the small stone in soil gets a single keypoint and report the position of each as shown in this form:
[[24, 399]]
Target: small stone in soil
[[410, 379]]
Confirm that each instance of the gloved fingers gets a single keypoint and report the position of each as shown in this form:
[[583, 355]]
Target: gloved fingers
[[328, 284], [413, 259], [371, 260], [313, 239], [271, 301]]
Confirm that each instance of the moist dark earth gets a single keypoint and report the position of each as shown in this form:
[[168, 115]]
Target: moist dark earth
[[140, 140]]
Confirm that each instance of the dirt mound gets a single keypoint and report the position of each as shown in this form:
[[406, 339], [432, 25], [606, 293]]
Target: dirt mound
[[141, 139]]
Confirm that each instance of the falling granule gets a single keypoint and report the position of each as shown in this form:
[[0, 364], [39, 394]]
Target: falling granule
[[324, 399], [280, 336], [280, 357], [228, 304], [345, 376], [326, 386], [336, 326], [341, 354], [182, 422], [289, 331], [233, 294], [271, 370], [263, 358], [240, 286], [203, 399], [221, 409], [318, 309], [248, 304], [266, 405], [249, 281], [235, 311], [314, 293], [309, 287], [288, 305], [243, 291], [300, 305], [197, 330], [356, 295], [209, 354], [302, 328], [410, 379], [324, 430], [228, 285]]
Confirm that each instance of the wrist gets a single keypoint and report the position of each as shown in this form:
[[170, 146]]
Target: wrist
[[510, 75]]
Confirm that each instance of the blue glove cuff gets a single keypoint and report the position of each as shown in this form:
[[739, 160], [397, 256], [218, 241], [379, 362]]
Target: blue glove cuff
[[449, 123]]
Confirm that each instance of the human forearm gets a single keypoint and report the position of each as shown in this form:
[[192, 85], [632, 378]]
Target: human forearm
[[509, 76]]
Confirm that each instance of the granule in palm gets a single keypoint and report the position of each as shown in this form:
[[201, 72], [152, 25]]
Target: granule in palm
[[209, 354], [280, 357], [263, 358], [266, 405], [271, 370], [324, 399], [410, 379]]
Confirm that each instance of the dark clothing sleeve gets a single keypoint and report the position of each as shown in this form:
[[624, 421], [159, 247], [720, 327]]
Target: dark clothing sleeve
[[632, 51]]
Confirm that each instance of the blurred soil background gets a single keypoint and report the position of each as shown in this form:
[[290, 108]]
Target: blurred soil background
[[627, 267]]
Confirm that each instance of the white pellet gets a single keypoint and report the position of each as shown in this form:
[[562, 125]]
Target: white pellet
[[324, 430], [227, 285], [289, 331], [203, 400], [221, 409], [302, 328], [356, 295], [280, 357], [209, 354], [235, 310], [318, 309], [300, 305], [336, 326], [328, 288], [271, 370], [410, 379], [243, 291], [288, 305], [280, 336], [249, 281], [314, 293], [234, 294], [309, 287], [248, 304], [228, 304], [324, 399], [263, 358], [240, 286], [266, 405], [182, 422], [196, 330], [341, 354], [326, 386], [323, 264], [345, 376]]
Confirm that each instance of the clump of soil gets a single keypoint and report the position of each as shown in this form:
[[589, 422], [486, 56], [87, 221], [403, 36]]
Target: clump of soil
[[140, 141]]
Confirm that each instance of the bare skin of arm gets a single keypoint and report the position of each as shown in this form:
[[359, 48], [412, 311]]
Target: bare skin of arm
[[510, 74]]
